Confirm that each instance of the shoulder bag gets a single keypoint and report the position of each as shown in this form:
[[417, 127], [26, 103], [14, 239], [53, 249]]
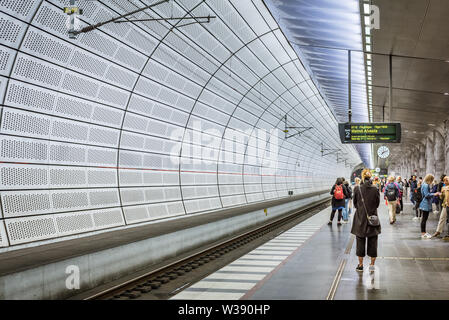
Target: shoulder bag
[[373, 220]]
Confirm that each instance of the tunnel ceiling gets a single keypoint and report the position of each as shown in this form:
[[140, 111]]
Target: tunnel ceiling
[[322, 32], [97, 132], [412, 28]]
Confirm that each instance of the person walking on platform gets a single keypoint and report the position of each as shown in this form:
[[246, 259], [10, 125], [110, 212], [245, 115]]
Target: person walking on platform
[[366, 200], [392, 195], [347, 199], [426, 204], [445, 206], [401, 186], [349, 188], [417, 198], [339, 194]]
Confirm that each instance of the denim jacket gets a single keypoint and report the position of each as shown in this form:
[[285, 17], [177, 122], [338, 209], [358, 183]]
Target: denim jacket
[[426, 203]]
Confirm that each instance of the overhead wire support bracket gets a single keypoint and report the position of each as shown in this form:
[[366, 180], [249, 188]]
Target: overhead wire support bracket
[[342, 160], [300, 130], [208, 18], [95, 26], [330, 151]]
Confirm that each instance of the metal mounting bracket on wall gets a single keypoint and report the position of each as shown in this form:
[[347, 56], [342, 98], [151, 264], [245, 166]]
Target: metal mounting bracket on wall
[[73, 10], [329, 151], [299, 129], [338, 159], [73, 33], [348, 164]]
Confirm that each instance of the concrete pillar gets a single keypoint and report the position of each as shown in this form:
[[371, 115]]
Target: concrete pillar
[[439, 154], [409, 159], [422, 160], [430, 158], [416, 160], [446, 130]]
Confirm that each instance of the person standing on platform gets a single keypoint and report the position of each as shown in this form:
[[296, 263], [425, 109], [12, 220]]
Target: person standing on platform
[[441, 185], [339, 194], [426, 204], [407, 185], [376, 183], [435, 199], [366, 201], [445, 206], [400, 184], [417, 198], [392, 195], [413, 186]]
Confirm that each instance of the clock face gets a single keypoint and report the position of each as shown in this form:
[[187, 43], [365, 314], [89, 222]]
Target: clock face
[[383, 152]]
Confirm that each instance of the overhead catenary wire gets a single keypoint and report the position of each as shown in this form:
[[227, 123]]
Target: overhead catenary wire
[[95, 26]]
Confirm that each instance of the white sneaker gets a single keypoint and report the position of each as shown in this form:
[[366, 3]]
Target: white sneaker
[[415, 218], [426, 236], [371, 269]]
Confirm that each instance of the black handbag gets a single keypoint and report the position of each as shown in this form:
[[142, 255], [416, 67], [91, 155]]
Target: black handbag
[[373, 220]]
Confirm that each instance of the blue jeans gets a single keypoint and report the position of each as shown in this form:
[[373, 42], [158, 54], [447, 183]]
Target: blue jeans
[[345, 210]]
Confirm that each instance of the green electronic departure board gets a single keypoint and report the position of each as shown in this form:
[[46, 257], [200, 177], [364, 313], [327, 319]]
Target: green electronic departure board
[[370, 132]]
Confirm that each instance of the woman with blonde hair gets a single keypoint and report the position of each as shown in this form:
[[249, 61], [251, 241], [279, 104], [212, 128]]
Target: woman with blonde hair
[[426, 204], [392, 194], [366, 201]]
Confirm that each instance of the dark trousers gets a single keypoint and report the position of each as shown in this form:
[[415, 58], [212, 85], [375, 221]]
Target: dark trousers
[[372, 246], [425, 215], [402, 205], [417, 209], [333, 214]]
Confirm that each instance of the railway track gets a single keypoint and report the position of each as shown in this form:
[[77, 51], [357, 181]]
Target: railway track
[[154, 280]]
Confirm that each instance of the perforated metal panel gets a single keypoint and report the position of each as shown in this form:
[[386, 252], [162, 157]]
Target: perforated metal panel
[[96, 132]]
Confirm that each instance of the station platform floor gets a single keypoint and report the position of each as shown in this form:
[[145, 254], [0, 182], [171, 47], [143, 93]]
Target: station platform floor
[[314, 261]]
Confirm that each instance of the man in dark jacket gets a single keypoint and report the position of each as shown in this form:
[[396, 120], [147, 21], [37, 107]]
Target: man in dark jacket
[[366, 201], [417, 198], [439, 188], [413, 186]]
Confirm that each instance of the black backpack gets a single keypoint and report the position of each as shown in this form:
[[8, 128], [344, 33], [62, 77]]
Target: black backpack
[[391, 192], [417, 196]]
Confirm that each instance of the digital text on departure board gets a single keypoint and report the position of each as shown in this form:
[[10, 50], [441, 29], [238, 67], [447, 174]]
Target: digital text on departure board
[[370, 132]]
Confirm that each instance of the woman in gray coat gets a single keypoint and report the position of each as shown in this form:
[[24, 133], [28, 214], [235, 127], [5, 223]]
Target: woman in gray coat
[[360, 227]]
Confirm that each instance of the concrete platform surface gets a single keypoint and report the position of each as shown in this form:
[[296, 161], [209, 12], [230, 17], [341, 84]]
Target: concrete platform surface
[[317, 261]]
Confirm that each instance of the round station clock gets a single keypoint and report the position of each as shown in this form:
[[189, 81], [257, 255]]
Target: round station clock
[[383, 152]]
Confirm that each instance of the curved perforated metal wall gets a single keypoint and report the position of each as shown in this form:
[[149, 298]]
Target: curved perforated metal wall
[[90, 126]]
